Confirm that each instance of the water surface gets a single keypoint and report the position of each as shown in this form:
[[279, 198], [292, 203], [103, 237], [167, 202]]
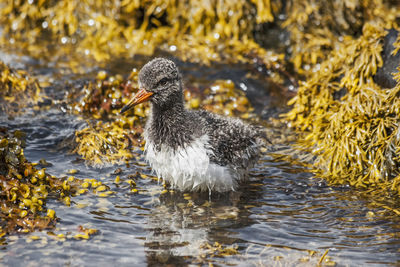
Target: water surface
[[282, 216]]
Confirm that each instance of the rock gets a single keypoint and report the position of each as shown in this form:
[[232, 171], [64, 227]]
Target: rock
[[383, 76]]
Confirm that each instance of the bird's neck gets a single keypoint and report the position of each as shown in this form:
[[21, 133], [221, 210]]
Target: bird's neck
[[168, 124]]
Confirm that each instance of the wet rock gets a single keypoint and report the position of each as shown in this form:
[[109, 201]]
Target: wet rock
[[271, 36], [384, 75]]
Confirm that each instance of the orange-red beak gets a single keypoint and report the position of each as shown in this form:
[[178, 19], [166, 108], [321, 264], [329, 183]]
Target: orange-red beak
[[141, 96]]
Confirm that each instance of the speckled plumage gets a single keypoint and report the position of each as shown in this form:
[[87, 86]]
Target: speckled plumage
[[193, 150]]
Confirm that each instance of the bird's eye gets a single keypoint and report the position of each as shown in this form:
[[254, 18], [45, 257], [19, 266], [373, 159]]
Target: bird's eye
[[163, 82]]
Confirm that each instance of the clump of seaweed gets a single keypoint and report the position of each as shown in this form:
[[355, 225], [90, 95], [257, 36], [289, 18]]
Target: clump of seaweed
[[110, 136], [196, 31], [316, 27], [25, 189], [17, 90], [352, 124], [104, 97], [219, 250], [106, 142]]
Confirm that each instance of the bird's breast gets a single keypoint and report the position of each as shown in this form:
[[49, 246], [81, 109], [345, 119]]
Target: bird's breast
[[188, 167]]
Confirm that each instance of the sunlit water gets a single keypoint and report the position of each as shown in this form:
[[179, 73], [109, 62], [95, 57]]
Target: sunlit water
[[282, 216]]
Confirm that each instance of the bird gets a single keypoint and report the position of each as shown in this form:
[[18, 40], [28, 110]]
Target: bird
[[192, 150]]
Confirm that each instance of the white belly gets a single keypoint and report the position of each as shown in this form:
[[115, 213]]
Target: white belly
[[189, 169]]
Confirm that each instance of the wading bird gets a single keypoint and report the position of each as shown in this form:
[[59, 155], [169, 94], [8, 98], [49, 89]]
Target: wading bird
[[193, 150]]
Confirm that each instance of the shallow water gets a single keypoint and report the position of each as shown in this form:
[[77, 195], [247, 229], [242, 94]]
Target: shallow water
[[282, 216]]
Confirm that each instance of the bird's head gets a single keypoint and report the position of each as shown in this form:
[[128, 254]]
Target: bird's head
[[159, 82]]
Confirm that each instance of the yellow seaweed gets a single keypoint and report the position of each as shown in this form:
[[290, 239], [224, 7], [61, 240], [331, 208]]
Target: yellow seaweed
[[17, 90], [354, 134], [201, 31]]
